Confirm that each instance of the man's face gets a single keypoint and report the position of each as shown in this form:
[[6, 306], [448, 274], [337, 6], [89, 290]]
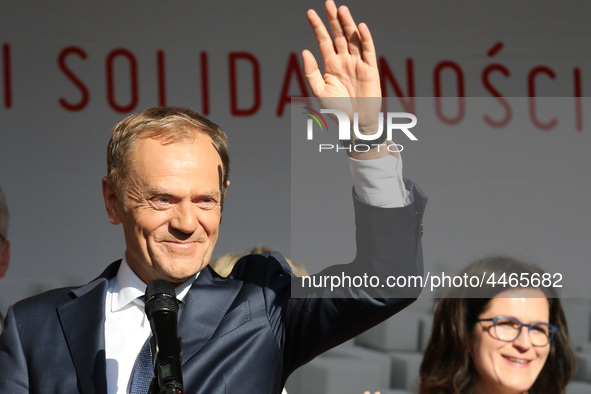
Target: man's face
[[172, 209]]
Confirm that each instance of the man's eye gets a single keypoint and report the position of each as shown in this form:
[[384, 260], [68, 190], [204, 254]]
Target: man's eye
[[207, 203], [160, 202]]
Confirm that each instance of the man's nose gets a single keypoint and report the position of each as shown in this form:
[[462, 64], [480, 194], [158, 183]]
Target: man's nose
[[185, 217]]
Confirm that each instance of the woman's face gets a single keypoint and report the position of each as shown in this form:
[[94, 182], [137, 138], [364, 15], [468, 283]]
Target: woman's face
[[509, 367]]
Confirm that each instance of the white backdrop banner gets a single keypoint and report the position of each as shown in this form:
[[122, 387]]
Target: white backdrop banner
[[70, 70]]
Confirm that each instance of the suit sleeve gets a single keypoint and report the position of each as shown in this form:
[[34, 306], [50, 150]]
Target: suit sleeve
[[388, 244], [13, 367]]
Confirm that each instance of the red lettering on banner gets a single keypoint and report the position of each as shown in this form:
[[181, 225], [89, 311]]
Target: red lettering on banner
[[204, 83], [387, 75], [293, 68], [7, 73], [531, 92], [448, 77], [460, 91], [85, 95], [256, 74], [578, 100], [493, 91], [133, 79], [161, 78], [495, 49]]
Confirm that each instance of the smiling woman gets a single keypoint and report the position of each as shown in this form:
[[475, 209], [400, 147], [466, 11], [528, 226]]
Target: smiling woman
[[500, 340]]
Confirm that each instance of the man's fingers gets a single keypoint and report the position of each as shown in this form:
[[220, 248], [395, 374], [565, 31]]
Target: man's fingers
[[323, 38], [312, 73], [340, 40], [350, 31], [369, 50]]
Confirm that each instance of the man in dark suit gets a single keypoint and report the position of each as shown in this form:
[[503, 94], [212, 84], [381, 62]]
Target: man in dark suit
[[167, 177]]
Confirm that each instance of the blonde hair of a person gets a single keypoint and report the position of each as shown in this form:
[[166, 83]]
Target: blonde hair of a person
[[223, 265]]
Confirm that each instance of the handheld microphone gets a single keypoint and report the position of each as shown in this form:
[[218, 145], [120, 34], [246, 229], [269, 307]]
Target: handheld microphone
[[162, 310]]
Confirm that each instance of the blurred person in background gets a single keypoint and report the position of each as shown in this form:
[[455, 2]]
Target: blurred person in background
[[223, 265]]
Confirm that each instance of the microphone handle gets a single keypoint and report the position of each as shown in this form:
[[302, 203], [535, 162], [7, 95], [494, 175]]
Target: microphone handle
[[172, 390], [167, 363]]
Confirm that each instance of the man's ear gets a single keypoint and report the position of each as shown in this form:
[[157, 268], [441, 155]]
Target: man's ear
[[4, 258], [112, 203]]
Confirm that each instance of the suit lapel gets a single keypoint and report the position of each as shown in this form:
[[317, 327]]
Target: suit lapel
[[82, 321], [206, 304]]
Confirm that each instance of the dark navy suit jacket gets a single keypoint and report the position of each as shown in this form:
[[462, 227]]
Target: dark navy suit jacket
[[241, 334]]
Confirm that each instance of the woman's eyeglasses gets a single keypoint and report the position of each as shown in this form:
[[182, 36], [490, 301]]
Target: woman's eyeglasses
[[508, 329]]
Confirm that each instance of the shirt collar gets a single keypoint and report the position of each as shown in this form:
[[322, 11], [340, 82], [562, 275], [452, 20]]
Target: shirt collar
[[128, 287]]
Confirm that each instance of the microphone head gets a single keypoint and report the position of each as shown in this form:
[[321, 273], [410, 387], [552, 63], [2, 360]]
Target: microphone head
[[160, 297]]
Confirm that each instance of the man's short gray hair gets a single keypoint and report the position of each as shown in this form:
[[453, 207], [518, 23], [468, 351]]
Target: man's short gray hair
[[3, 215]]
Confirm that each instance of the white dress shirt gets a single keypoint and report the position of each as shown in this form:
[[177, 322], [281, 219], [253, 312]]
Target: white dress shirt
[[379, 182], [126, 325]]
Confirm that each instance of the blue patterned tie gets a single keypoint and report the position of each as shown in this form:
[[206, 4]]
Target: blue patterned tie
[[143, 371]]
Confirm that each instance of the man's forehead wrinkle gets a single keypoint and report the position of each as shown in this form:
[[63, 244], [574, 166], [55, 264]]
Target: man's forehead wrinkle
[[143, 186], [157, 190], [142, 162]]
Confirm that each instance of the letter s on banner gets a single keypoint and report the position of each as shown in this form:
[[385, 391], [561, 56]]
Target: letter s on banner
[[85, 96]]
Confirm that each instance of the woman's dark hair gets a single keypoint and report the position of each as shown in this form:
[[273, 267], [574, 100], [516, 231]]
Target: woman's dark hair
[[447, 366]]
